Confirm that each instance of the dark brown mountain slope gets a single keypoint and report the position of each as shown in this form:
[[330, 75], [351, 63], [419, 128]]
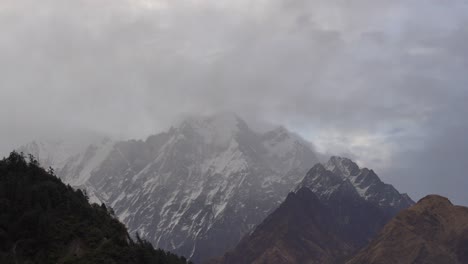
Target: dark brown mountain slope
[[299, 231], [326, 220], [433, 231]]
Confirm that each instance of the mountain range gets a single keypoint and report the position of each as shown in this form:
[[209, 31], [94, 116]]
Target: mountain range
[[195, 189], [336, 210], [200, 187]]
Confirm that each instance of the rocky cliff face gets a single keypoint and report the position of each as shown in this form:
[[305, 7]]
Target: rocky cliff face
[[198, 188], [301, 230], [342, 175], [325, 220], [433, 231], [201, 186]]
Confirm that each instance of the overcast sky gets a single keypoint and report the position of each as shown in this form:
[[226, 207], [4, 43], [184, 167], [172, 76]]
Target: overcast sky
[[382, 81]]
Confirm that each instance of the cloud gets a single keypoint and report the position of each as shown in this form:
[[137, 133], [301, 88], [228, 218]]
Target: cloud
[[382, 81]]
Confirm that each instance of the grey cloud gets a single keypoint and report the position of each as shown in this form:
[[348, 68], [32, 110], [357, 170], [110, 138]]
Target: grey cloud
[[383, 81]]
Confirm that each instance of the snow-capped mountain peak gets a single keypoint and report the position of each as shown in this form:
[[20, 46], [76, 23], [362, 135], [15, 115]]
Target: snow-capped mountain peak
[[323, 179], [342, 166], [198, 188]]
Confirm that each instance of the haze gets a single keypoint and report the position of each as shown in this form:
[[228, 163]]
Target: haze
[[383, 82]]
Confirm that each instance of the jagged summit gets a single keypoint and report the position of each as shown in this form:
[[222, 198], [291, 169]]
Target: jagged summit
[[339, 172], [322, 182], [197, 188], [342, 166], [324, 220]]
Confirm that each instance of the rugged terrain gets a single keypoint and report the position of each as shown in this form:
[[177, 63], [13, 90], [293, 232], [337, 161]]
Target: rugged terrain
[[337, 209], [434, 231], [196, 189], [200, 187]]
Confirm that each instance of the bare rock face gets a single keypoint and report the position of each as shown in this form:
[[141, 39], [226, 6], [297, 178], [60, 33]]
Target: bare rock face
[[434, 231], [330, 216], [200, 187], [299, 231], [368, 185], [197, 188]]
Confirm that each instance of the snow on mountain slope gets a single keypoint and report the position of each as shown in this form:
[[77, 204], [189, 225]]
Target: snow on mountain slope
[[339, 173], [196, 189], [50, 153], [332, 213], [205, 184], [56, 152], [199, 187], [73, 161], [79, 167]]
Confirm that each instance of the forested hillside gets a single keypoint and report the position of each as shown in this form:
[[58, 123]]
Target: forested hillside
[[44, 221]]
